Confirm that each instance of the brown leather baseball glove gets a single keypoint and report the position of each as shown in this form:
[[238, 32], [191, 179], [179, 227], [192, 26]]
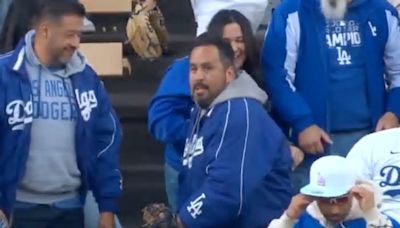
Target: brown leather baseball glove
[[157, 215]]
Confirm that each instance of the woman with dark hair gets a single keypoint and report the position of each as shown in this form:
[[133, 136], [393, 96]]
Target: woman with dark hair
[[234, 28], [170, 108]]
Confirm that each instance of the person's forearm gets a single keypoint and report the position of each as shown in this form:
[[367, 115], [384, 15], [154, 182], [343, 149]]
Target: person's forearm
[[179, 223], [283, 222], [375, 219], [107, 220]]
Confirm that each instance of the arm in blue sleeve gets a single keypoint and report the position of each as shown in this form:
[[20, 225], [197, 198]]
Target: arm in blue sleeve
[[242, 160], [2, 107], [279, 58], [392, 63], [168, 117], [107, 177], [170, 108], [5, 205]]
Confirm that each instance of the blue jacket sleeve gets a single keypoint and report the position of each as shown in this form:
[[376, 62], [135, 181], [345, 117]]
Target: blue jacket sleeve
[[392, 62], [279, 57], [244, 157], [7, 191], [5, 205], [169, 109], [107, 184]]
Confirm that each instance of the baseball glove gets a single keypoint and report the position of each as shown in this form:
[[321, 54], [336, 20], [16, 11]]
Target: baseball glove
[[146, 30], [157, 215]]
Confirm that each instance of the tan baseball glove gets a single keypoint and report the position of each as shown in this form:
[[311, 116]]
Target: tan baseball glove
[[146, 30]]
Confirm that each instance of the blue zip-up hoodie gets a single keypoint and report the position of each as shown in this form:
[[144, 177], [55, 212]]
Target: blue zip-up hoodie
[[169, 111], [97, 135], [236, 162], [297, 76]]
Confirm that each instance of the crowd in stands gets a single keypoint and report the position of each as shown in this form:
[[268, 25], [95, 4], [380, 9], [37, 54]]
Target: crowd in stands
[[315, 143]]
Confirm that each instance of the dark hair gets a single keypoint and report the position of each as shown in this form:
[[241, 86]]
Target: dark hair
[[224, 17], [56, 9], [225, 51]]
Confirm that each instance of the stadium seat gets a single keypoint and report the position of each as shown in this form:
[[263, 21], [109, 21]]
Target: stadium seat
[[105, 58], [107, 6]]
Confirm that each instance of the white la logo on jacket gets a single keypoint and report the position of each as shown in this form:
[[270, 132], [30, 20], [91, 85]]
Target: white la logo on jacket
[[193, 148], [195, 206], [86, 102], [19, 114]]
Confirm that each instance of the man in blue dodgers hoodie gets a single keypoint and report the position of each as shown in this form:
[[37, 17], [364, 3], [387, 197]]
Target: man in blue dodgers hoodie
[[326, 80], [334, 198], [60, 135], [236, 161]]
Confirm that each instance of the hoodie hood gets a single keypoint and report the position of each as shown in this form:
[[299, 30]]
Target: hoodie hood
[[75, 65], [242, 86], [355, 211]]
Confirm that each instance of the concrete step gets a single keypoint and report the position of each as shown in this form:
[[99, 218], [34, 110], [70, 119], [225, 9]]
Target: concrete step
[[131, 95], [142, 165], [140, 189], [139, 149]]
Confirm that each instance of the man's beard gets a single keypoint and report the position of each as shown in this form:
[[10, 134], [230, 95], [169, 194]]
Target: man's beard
[[334, 9], [59, 55]]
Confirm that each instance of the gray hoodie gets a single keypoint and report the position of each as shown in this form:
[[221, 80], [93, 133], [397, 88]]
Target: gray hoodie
[[52, 173], [242, 86]]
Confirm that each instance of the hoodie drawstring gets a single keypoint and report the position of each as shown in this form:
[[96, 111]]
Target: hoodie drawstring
[[39, 90], [196, 127]]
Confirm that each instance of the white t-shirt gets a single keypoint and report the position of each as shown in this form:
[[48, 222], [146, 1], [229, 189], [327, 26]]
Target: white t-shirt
[[204, 10], [377, 158]]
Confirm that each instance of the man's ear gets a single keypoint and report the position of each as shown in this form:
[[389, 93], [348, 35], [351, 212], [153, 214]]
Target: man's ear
[[43, 30], [230, 74]]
